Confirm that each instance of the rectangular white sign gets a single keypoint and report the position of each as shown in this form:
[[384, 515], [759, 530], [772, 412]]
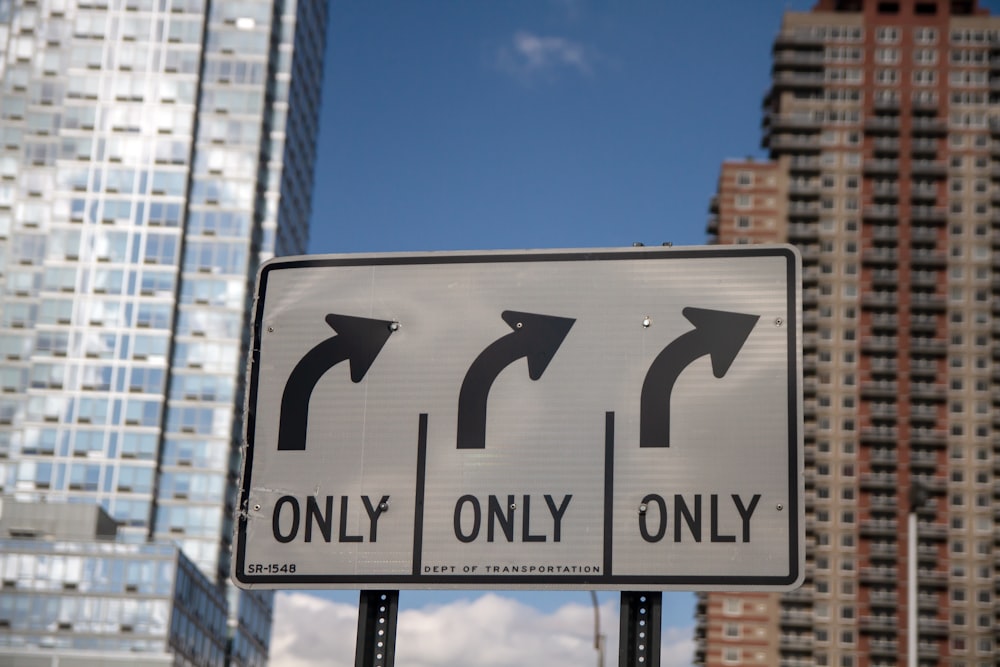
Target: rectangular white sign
[[574, 419]]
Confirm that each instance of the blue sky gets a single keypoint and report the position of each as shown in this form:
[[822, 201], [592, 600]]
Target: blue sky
[[532, 124]]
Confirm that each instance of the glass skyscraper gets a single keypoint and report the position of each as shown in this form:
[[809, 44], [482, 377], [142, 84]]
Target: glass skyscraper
[[152, 154]]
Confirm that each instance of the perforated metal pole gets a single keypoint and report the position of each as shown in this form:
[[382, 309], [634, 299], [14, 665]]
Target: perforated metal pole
[[639, 637], [377, 629]]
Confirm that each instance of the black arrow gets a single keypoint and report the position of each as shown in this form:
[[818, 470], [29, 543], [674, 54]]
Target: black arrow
[[358, 340], [718, 333], [536, 337]]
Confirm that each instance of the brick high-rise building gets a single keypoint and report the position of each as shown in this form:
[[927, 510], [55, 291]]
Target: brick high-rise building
[[884, 169]]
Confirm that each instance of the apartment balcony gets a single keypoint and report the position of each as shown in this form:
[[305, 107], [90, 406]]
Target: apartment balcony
[[796, 619], [929, 437], [883, 648], [880, 299], [927, 302], [882, 125], [924, 460], [879, 528], [885, 277], [887, 105], [803, 211], [886, 145], [798, 40], [883, 456], [884, 504], [933, 215], [796, 661], [884, 320], [885, 193], [878, 575], [882, 623], [931, 578], [802, 642], [928, 555], [793, 59], [803, 233], [930, 391], [929, 168], [928, 601], [888, 551], [883, 598], [881, 213], [923, 147], [924, 234], [877, 435], [923, 193], [882, 366], [881, 167], [928, 651], [804, 164], [923, 414], [792, 143], [935, 258], [810, 297], [880, 256], [932, 626], [928, 127], [925, 279], [799, 190], [925, 106], [793, 80], [803, 594], [875, 344], [792, 123], [885, 233], [810, 253], [923, 369], [879, 481]]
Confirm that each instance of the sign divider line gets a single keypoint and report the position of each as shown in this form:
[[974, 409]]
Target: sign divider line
[[418, 511], [609, 489]]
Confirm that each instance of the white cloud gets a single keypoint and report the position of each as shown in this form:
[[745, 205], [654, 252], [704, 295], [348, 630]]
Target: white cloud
[[487, 631], [528, 56]]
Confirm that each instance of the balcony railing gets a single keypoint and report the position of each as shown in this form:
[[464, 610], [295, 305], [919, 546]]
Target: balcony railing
[[928, 126], [929, 214], [882, 124]]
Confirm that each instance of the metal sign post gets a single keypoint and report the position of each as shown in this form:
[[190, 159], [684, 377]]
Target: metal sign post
[[377, 611], [639, 635]]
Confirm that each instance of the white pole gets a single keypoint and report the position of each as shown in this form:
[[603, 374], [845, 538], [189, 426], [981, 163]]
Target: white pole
[[598, 644], [911, 567]]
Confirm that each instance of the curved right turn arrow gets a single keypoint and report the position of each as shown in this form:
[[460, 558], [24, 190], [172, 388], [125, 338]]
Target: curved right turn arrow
[[536, 337], [717, 333], [358, 341]]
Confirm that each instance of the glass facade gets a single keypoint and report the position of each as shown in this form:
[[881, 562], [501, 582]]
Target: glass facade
[[150, 158], [91, 597]]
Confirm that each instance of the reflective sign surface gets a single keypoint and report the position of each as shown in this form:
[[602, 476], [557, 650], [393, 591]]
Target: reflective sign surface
[[579, 419]]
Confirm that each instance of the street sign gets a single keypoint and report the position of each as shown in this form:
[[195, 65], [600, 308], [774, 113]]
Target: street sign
[[571, 419]]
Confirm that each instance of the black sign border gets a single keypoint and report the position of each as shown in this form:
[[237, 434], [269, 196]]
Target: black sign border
[[604, 581]]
